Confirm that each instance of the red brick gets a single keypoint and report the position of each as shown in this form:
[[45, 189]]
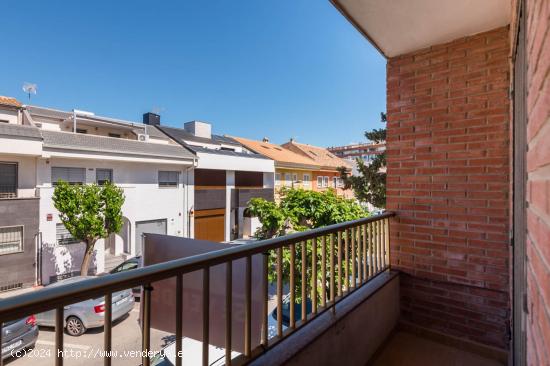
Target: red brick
[[451, 142]]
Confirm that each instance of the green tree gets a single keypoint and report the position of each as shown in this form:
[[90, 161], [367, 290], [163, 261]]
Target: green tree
[[89, 213], [300, 210], [370, 184]]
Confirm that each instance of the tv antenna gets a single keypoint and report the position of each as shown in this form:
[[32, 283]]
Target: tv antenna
[[29, 88]]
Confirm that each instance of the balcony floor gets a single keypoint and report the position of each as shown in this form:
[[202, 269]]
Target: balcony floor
[[409, 349]]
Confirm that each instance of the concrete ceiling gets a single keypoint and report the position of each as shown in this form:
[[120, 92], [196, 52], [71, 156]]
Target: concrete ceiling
[[397, 27]]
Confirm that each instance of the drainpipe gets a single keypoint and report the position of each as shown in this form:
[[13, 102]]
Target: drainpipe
[[188, 211]]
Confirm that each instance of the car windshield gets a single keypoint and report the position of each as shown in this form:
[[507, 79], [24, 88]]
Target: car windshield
[[297, 310]]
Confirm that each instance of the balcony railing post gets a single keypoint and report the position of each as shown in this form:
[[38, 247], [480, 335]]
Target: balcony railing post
[[387, 236], [339, 263], [248, 307], [107, 329], [59, 328], [359, 256], [353, 263], [265, 297], [323, 271], [280, 292], [205, 315], [346, 259], [314, 276], [304, 281], [228, 310], [146, 325], [332, 279], [179, 318], [1, 342], [292, 286], [365, 269]]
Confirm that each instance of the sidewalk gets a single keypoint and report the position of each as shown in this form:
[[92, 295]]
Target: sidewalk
[[12, 293]]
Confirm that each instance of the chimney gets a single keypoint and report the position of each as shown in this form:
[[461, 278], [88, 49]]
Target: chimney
[[151, 119], [291, 139], [265, 139], [199, 129]]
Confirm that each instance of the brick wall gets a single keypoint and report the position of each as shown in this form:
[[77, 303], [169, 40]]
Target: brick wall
[[448, 159], [538, 187]]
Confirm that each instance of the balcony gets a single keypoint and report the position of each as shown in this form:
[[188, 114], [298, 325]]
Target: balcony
[[343, 271]]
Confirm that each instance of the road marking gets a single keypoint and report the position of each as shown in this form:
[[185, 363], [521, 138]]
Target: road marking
[[68, 345]]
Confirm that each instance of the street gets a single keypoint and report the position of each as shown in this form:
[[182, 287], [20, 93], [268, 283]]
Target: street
[[86, 349]]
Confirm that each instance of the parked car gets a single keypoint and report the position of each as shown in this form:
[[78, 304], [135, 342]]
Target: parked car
[[89, 313], [272, 319], [18, 335], [132, 263], [191, 352]]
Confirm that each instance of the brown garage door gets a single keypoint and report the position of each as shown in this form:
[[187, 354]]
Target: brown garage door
[[210, 225]]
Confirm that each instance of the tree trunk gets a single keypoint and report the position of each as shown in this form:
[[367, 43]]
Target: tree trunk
[[87, 257]]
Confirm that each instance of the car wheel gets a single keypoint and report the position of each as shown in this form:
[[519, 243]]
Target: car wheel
[[74, 326]]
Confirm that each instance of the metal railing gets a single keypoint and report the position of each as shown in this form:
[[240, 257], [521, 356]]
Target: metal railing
[[341, 257]]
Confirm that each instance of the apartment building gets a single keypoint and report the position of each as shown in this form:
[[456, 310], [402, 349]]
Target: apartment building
[[226, 177], [327, 176], [366, 151], [20, 147], [80, 147], [291, 169]]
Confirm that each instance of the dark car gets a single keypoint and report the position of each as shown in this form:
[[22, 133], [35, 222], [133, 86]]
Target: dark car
[[18, 335], [272, 320], [132, 263]]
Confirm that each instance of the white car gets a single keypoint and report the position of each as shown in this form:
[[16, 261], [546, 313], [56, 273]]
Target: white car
[[191, 351]]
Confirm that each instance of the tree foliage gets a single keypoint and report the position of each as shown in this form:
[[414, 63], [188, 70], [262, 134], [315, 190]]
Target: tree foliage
[[370, 184], [300, 210], [89, 213]]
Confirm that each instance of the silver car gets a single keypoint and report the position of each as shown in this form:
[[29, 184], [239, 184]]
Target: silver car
[[89, 313]]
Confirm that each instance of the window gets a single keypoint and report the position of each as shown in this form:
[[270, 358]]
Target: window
[[319, 182], [11, 239], [294, 178], [115, 135], [70, 175], [8, 180], [306, 180], [277, 179], [63, 237], [325, 182], [340, 182], [288, 181], [81, 130], [335, 182], [103, 176], [168, 179]]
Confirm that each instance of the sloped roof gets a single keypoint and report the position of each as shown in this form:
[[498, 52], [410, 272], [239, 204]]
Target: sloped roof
[[181, 135], [320, 155], [9, 101], [77, 141], [277, 153]]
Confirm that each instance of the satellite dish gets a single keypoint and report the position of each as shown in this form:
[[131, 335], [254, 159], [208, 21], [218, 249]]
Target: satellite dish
[[29, 88]]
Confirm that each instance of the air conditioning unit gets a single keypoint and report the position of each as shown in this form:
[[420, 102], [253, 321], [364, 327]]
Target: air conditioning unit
[[143, 137]]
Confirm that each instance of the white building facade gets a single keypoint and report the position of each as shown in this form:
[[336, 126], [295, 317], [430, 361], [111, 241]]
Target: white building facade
[[152, 173]]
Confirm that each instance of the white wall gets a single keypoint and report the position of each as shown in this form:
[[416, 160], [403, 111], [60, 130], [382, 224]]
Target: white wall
[[229, 162], [26, 173], [10, 116], [144, 199], [20, 146]]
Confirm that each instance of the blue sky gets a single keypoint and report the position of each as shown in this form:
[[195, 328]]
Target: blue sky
[[277, 68]]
